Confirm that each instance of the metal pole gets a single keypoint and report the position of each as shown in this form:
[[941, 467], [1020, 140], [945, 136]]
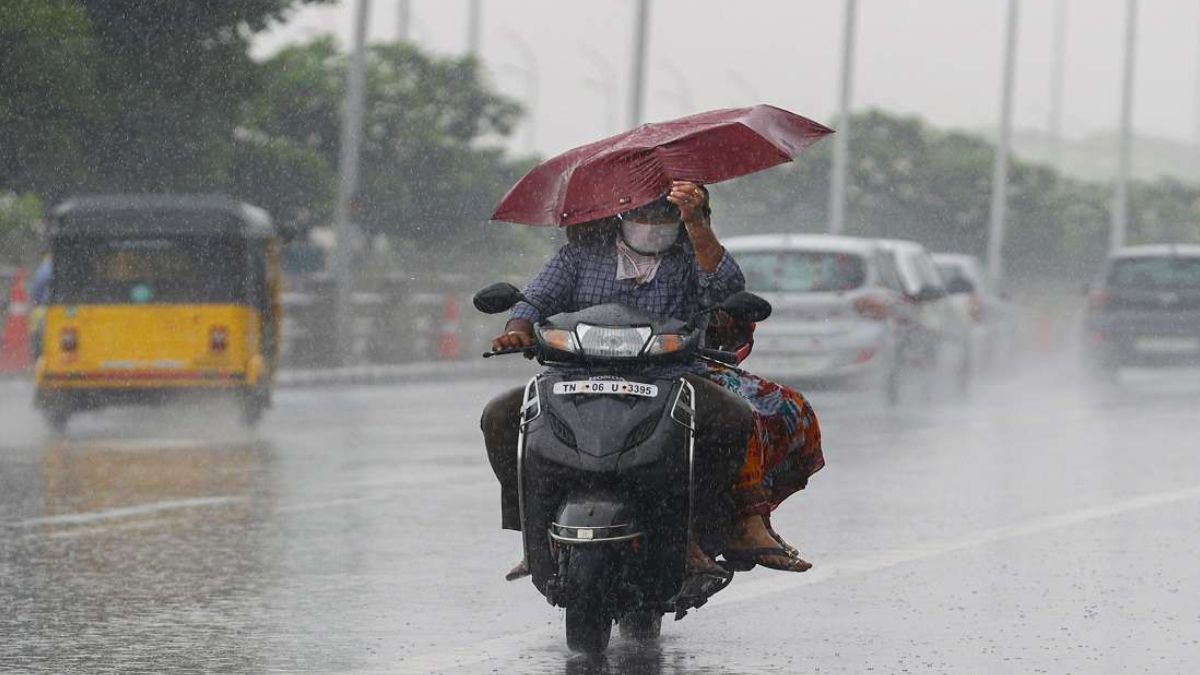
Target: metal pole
[[638, 78], [682, 91], [999, 209], [841, 140], [1120, 210], [474, 26], [1196, 112], [606, 84], [1197, 102], [352, 123], [403, 20], [530, 71], [1057, 80]]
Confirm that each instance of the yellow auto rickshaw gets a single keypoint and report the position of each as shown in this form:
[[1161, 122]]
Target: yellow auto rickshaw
[[157, 297]]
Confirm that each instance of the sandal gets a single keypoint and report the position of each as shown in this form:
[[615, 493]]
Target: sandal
[[746, 560], [793, 552], [519, 571]]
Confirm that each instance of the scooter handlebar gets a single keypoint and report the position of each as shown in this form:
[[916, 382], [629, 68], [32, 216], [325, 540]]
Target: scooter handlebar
[[728, 358], [513, 350]]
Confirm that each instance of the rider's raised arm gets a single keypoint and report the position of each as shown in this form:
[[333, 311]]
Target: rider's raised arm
[[722, 282], [551, 290]]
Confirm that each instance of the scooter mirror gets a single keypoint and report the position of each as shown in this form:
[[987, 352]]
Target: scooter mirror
[[747, 307], [499, 297]]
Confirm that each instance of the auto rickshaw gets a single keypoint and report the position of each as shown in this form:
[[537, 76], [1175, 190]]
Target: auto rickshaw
[[154, 298]]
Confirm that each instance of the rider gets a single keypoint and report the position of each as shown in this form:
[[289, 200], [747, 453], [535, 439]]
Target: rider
[[669, 262]]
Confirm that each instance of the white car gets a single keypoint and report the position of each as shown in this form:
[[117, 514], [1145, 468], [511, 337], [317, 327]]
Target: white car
[[834, 305], [935, 340], [993, 327]]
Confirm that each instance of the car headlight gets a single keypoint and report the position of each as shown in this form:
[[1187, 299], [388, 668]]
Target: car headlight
[[665, 344], [612, 342], [562, 340]]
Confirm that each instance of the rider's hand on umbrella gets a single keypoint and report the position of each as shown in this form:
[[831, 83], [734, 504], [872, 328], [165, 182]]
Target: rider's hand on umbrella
[[691, 200]]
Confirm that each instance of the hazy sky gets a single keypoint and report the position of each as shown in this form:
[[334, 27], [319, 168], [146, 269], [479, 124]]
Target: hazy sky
[[940, 59]]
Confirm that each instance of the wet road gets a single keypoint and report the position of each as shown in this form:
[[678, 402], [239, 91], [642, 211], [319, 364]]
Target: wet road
[[1037, 528]]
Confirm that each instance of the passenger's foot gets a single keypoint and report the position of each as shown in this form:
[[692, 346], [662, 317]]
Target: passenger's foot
[[753, 544], [792, 550], [698, 562], [519, 571]]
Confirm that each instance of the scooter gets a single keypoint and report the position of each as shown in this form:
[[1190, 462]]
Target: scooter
[[607, 477]]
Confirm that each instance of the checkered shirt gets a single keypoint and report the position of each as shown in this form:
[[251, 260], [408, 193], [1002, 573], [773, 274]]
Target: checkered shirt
[[584, 273]]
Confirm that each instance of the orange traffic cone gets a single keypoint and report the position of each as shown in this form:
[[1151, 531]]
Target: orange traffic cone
[[449, 340], [14, 345], [1046, 333]]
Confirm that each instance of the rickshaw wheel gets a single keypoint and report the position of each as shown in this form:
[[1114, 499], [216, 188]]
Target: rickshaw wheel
[[57, 418], [253, 405]]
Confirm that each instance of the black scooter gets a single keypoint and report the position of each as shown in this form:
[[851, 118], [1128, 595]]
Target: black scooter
[[606, 466]]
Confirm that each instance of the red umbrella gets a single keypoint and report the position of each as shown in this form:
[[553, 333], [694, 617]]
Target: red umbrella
[[636, 167]]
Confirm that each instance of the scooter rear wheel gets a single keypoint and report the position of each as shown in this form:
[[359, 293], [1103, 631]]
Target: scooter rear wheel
[[589, 619]]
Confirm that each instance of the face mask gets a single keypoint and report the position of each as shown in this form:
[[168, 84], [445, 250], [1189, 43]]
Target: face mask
[[647, 238]]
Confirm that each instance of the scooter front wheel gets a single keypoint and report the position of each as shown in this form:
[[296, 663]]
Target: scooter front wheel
[[642, 625], [589, 615]]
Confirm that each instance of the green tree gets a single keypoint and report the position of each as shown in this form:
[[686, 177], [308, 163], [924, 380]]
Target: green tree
[[20, 220], [431, 166], [46, 89], [111, 95], [910, 181]]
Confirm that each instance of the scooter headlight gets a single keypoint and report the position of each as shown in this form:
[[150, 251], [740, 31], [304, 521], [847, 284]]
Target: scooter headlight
[[665, 343], [562, 340], [612, 342]]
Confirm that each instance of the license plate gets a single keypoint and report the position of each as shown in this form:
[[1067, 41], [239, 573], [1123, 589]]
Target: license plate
[[606, 387], [1161, 345]]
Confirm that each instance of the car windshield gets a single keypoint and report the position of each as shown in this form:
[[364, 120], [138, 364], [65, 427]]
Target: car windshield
[[147, 270], [1155, 274], [802, 271], [951, 270]]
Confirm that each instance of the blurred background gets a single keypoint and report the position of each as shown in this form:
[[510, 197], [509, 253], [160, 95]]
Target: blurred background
[[1006, 513], [246, 98]]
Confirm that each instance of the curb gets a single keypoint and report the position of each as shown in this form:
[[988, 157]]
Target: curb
[[370, 374]]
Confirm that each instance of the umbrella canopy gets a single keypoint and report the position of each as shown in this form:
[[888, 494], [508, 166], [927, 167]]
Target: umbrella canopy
[[636, 167]]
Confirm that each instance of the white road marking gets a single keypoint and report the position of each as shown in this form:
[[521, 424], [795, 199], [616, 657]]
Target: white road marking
[[89, 517], [758, 588], [513, 646], [107, 529], [125, 511]]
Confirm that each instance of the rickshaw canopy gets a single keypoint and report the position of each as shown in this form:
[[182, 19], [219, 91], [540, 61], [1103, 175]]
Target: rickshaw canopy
[[160, 215]]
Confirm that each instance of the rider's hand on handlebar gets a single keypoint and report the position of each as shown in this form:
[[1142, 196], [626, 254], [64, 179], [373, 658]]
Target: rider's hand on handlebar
[[513, 339]]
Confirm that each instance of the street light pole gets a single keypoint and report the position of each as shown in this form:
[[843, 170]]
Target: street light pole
[[1120, 210], [403, 20], [606, 84], [841, 140], [1057, 80], [530, 72], [351, 138], [638, 78], [681, 94], [999, 207], [1196, 112], [474, 25]]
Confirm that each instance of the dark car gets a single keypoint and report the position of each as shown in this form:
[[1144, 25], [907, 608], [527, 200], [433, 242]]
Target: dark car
[[1145, 311]]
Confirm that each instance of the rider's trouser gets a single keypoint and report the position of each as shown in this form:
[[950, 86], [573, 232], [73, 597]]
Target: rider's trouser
[[723, 426]]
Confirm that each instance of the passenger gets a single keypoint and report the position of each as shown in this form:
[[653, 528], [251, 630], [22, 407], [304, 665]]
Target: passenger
[[648, 258]]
